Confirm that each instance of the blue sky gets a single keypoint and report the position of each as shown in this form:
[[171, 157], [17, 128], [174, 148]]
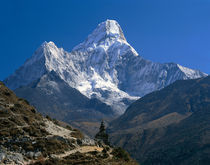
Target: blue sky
[[160, 30]]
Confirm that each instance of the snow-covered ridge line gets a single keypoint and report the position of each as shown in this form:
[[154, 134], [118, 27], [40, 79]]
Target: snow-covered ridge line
[[104, 66], [189, 72]]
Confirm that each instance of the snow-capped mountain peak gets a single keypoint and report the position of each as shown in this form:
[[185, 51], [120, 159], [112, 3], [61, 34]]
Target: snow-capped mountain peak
[[104, 66], [50, 43], [113, 29], [45, 59], [46, 51], [106, 33]]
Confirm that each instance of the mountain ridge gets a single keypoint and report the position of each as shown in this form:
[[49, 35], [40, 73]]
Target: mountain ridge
[[169, 126], [104, 66]]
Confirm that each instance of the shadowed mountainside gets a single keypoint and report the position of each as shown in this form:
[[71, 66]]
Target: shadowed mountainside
[[170, 126]]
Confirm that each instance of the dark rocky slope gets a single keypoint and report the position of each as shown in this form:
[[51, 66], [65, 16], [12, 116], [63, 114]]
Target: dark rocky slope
[[170, 126]]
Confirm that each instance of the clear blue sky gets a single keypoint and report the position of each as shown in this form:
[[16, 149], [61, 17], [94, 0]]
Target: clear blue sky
[[160, 30]]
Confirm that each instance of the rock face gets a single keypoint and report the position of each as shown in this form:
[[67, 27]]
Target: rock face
[[104, 66], [170, 126], [26, 137]]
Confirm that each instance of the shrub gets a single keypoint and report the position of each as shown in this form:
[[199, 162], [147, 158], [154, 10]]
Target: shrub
[[51, 146], [120, 153], [48, 117], [55, 122], [77, 134], [15, 147], [42, 124], [33, 110], [79, 142], [28, 146], [105, 155], [7, 93], [104, 150], [13, 109], [15, 132], [68, 127], [32, 131], [4, 133], [24, 100], [26, 119]]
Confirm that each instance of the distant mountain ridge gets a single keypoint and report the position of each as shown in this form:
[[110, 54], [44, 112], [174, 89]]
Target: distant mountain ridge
[[104, 66]]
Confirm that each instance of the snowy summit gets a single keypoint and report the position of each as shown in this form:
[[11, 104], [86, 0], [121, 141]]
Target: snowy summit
[[104, 66], [105, 32]]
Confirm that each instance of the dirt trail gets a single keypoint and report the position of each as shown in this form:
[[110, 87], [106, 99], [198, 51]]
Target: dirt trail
[[83, 149]]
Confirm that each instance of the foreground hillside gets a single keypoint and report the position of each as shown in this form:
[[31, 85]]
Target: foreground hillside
[[170, 126], [26, 137]]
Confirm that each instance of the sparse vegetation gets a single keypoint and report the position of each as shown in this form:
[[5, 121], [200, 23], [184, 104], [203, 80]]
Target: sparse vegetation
[[24, 100], [24, 131], [55, 122], [77, 134], [69, 127], [120, 153], [90, 158], [49, 118]]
